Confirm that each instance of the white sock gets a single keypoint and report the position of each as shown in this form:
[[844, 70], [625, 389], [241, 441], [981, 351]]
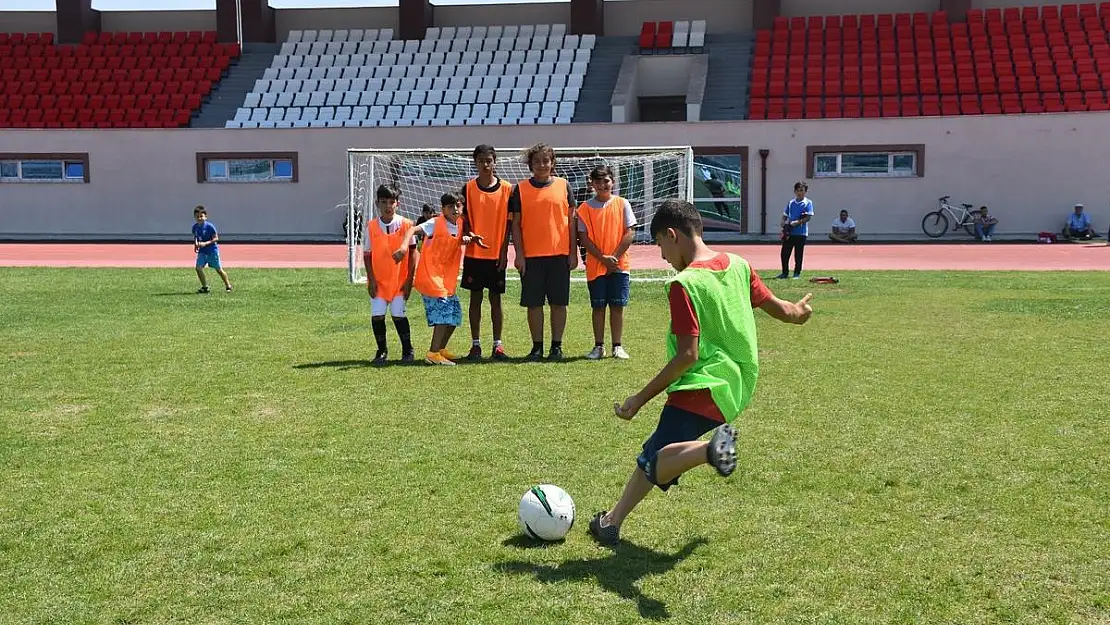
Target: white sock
[[476, 342], [497, 343]]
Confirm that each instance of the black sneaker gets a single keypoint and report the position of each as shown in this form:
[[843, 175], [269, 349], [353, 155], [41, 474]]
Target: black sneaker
[[499, 354], [555, 354], [535, 355], [228, 289], [380, 358], [408, 356], [782, 276], [722, 450], [475, 354], [609, 535], [204, 289]]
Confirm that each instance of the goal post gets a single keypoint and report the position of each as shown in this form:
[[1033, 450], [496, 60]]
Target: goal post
[[645, 176]]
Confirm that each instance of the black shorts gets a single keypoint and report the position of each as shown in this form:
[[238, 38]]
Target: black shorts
[[675, 426], [545, 278], [482, 273]]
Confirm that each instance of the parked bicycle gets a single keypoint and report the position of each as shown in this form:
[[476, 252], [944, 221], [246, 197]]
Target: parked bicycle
[[937, 223]]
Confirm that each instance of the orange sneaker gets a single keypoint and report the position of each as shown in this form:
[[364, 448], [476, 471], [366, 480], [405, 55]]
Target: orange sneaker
[[437, 358], [448, 355]]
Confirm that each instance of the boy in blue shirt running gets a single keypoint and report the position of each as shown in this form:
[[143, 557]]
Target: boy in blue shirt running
[[206, 245]]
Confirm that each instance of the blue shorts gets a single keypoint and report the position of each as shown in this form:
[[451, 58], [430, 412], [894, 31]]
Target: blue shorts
[[208, 257], [610, 290], [675, 426], [443, 311]]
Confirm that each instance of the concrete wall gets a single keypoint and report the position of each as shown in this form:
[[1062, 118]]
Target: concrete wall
[[151, 21], [1029, 168], [793, 8], [722, 16], [28, 22], [502, 14]]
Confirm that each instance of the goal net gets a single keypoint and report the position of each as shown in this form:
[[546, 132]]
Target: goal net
[[646, 177]]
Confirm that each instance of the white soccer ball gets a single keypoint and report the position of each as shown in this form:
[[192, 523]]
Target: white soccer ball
[[546, 512]]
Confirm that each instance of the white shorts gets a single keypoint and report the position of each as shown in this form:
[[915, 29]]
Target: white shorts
[[396, 307]]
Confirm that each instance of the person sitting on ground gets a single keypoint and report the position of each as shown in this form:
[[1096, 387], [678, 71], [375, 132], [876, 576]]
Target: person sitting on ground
[[844, 229], [984, 225], [1079, 225]]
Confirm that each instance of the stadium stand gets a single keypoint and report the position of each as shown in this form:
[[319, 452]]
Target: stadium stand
[[1001, 61], [528, 74], [680, 37], [110, 80]]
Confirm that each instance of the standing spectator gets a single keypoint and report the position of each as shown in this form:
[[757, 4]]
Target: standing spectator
[[984, 225], [844, 229], [795, 230]]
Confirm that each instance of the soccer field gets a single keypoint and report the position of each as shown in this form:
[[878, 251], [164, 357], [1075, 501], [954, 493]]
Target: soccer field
[[930, 448]]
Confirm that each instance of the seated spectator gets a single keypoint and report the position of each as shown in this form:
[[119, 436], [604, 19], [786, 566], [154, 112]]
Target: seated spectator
[[1079, 225], [844, 229], [984, 225]]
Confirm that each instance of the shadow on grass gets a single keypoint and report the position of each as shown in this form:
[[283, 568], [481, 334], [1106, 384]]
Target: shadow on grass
[[179, 293], [617, 572], [419, 362]]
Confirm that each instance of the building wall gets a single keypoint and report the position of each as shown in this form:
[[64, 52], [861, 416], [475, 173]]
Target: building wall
[[150, 21], [502, 14], [28, 22], [315, 19], [721, 16], [794, 8], [1029, 169]]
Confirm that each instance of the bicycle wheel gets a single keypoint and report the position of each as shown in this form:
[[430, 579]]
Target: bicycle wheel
[[935, 224], [969, 227]]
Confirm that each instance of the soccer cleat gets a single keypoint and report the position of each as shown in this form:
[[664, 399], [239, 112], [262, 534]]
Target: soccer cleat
[[597, 353], [609, 535], [204, 289], [556, 353], [437, 358], [619, 353], [448, 355], [408, 356], [781, 276], [797, 276], [722, 450], [228, 289], [499, 353], [380, 358], [535, 355], [475, 354]]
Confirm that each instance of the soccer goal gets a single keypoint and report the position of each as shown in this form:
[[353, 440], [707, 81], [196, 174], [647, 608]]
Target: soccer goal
[[646, 177]]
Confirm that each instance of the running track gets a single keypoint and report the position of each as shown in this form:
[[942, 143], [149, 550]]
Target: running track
[[818, 258]]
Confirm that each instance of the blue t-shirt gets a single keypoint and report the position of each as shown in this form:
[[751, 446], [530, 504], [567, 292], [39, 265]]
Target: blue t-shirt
[[794, 211], [203, 233], [1082, 221]]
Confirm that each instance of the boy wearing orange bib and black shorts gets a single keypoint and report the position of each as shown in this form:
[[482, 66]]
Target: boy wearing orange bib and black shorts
[[437, 275], [389, 282], [486, 217], [546, 241], [605, 226]]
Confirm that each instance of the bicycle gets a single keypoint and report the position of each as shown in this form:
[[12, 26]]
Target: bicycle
[[936, 223]]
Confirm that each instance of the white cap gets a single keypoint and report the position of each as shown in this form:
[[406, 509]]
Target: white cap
[[1078, 205]]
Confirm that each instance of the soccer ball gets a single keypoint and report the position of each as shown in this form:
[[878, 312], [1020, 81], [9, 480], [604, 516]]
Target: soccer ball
[[546, 512]]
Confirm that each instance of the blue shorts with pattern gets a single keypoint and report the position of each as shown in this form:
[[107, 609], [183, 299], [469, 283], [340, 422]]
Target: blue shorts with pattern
[[208, 257], [675, 426], [443, 311]]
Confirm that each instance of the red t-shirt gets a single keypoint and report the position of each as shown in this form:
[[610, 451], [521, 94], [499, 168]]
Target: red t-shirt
[[684, 322]]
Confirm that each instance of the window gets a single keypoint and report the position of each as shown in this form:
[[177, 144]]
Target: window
[[44, 168], [247, 167], [718, 186], [865, 162]]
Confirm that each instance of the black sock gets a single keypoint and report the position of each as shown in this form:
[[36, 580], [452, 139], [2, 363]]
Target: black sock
[[616, 345], [537, 346], [379, 332], [402, 325], [556, 345]]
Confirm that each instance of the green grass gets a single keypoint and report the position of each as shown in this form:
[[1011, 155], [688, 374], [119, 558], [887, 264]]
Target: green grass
[[931, 448]]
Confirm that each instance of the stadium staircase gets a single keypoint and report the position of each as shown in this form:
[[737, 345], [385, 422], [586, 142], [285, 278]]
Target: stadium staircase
[[601, 78], [726, 90], [230, 92]]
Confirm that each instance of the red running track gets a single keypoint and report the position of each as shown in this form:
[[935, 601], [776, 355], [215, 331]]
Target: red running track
[[764, 257]]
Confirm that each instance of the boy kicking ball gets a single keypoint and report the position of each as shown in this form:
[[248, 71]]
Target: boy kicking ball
[[713, 364]]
